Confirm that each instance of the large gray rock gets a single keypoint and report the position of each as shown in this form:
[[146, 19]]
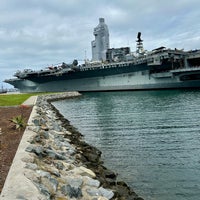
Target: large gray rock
[[55, 155], [83, 172], [43, 173], [75, 182], [72, 192], [50, 184], [32, 166], [38, 150], [106, 193], [91, 182], [43, 190]]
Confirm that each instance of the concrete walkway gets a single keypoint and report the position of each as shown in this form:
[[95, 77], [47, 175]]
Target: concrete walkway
[[31, 101]]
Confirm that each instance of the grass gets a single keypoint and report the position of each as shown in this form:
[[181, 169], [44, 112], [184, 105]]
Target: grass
[[16, 99]]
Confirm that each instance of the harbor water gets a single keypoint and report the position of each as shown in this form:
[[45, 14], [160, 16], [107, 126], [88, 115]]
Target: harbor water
[[150, 138]]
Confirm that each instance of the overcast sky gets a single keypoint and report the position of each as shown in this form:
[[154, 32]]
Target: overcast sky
[[38, 33]]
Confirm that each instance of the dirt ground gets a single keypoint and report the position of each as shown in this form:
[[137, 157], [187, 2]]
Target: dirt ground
[[9, 137]]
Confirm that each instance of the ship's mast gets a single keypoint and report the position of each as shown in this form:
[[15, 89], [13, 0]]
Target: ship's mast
[[139, 47]]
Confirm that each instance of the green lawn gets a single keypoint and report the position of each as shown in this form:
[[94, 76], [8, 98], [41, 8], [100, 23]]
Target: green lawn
[[15, 99]]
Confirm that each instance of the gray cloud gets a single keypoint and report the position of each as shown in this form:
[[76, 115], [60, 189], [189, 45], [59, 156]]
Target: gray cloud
[[37, 33]]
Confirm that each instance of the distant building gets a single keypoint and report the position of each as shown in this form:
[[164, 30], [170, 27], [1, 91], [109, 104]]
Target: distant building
[[101, 42]]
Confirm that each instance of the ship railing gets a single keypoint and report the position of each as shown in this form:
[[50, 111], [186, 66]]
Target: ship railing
[[193, 55], [107, 65], [192, 68]]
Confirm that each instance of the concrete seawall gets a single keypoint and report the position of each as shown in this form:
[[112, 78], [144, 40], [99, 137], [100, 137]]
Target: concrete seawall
[[54, 162]]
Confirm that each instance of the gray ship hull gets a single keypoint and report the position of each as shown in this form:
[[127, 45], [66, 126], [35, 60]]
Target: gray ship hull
[[130, 81]]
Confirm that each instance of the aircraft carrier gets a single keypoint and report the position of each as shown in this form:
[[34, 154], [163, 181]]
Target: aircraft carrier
[[114, 69]]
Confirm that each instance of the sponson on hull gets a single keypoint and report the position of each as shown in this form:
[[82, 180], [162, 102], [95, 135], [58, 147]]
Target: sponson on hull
[[116, 69]]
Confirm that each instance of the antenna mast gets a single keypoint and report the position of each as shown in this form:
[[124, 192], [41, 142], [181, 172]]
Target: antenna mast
[[139, 47]]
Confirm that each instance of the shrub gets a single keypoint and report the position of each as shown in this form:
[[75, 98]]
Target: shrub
[[19, 122]]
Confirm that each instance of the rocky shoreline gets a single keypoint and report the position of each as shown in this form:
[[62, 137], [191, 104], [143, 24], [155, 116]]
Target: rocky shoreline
[[62, 166]]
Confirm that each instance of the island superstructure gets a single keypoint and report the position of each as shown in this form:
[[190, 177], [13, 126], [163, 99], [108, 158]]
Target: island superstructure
[[101, 43], [116, 69]]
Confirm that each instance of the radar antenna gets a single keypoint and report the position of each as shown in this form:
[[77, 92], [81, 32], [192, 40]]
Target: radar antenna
[[139, 48], [139, 37]]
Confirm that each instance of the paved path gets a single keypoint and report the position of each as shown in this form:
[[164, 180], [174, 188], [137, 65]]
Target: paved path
[[30, 101]]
